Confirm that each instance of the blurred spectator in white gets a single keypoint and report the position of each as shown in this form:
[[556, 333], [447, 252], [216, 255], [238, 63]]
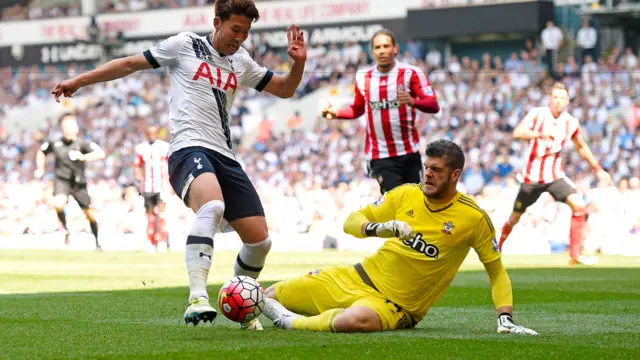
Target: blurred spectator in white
[[434, 57], [587, 39], [552, 40]]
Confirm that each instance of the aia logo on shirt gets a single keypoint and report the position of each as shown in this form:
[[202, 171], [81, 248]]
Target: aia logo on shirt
[[384, 104], [204, 71], [421, 246]]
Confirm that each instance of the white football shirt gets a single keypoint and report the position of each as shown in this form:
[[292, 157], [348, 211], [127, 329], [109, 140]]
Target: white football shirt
[[203, 86]]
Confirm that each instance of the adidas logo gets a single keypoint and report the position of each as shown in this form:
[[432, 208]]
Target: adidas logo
[[409, 213]]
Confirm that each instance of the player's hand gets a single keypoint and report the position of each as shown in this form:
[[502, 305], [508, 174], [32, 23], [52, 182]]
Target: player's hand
[[296, 48], [506, 325], [38, 173], [329, 112], [603, 175], [75, 155], [393, 228], [66, 88], [404, 98]]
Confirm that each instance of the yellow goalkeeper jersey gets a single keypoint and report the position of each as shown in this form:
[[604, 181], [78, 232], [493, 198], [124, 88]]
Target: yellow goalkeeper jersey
[[415, 273]]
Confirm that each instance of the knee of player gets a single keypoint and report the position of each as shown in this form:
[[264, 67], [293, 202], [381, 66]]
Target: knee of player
[[59, 203], [270, 293], [579, 207], [357, 322], [213, 209], [89, 214]]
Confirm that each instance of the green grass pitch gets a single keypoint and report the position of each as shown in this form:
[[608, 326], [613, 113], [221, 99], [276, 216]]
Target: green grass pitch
[[60, 305]]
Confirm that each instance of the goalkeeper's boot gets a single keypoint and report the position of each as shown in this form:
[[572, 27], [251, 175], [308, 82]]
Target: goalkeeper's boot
[[252, 325], [200, 310]]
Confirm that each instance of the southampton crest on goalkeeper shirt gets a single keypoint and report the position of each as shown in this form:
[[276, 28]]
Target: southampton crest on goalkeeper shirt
[[448, 227]]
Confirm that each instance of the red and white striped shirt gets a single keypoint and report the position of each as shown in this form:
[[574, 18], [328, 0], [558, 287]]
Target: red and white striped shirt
[[544, 164], [153, 160], [391, 128]]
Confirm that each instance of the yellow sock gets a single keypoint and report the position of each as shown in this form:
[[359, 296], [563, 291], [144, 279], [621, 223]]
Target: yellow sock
[[322, 322]]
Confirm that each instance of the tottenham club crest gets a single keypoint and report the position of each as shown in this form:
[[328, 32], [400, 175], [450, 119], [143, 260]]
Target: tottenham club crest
[[448, 227]]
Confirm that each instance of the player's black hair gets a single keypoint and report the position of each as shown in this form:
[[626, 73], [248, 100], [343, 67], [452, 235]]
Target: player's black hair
[[225, 8], [448, 150], [387, 32]]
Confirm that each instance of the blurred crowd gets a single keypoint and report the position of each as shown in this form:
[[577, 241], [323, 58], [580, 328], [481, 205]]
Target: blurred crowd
[[35, 10], [319, 176]]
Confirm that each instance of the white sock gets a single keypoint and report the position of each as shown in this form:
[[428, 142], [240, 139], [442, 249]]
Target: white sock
[[274, 310], [287, 322], [199, 249], [251, 258]]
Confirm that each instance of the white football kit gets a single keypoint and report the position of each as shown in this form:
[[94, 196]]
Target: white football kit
[[203, 86]]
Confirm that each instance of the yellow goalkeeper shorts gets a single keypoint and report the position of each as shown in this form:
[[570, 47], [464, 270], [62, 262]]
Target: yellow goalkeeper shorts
[[339, 288]]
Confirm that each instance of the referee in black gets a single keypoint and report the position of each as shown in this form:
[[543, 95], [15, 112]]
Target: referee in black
[[70, 153]]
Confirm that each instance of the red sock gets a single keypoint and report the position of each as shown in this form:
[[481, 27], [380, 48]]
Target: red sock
[[151, 228], [162, 229], [575, 234], [504, 234]]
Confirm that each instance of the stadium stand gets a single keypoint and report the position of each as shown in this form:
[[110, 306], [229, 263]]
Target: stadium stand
[[481, 101]]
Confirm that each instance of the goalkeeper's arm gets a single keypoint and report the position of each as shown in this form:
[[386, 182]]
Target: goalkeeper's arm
[[500, 286], [502, 295]]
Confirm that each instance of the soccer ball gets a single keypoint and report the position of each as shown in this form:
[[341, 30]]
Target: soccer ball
[[241, 299]]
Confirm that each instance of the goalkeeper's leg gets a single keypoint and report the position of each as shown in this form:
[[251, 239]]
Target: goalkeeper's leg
[[354, 319], [356, 310]]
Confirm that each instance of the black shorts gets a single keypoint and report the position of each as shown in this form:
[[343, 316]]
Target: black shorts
[[530, 193], [151, 200], [77, 190], [240, 196], [395, 171]]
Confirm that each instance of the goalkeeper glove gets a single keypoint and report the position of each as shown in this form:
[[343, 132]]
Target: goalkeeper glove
[[506, 325], [397, 228]]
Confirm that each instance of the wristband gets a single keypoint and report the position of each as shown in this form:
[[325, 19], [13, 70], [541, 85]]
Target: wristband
[[371, 229]]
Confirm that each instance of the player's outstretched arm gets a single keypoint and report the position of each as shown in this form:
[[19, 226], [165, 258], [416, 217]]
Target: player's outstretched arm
[[112, 70], [585, 153], [483, 241], [284, 86], [502, 295]]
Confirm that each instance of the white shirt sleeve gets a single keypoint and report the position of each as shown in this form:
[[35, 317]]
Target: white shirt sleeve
[[166, 53], [255, 76]]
